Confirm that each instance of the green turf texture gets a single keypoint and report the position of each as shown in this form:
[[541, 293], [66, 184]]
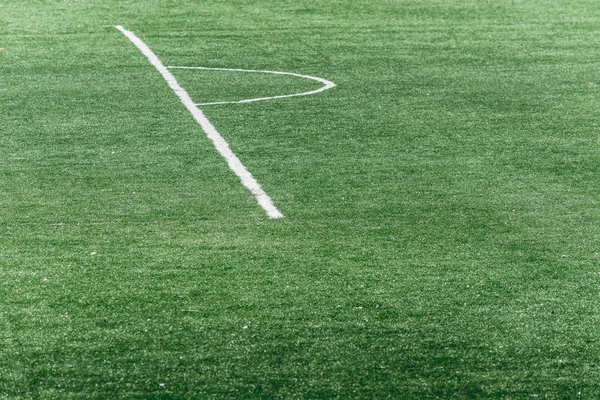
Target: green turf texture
[[442, 230]]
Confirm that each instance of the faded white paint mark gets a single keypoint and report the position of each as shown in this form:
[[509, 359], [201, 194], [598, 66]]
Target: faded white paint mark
[[326, 84]]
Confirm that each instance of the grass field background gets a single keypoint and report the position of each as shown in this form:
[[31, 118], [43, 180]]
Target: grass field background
[[442, 230]]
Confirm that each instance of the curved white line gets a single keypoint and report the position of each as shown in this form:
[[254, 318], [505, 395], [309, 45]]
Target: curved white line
[[326, 84]]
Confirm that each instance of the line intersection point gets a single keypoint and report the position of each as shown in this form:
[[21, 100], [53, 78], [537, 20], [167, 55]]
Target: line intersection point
[[220, 144]]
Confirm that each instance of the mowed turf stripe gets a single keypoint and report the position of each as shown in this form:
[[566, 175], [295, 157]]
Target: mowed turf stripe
[[220, 144]]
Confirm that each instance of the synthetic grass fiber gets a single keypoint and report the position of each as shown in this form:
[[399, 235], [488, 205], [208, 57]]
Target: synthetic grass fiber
[[441, 236]]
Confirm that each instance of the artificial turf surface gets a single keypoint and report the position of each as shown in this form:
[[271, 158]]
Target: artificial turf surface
[[442, 230]]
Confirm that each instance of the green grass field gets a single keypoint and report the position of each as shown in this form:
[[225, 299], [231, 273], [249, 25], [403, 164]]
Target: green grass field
[[441, 236]]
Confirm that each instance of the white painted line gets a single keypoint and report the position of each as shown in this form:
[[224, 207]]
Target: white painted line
[[326, 84], [220, 144]]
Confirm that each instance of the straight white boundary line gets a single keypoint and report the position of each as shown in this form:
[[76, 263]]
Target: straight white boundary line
[[220, 144], [326, 84]]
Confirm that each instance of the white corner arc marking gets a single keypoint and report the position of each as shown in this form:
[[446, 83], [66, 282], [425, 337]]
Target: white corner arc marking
[[326, 84], [220, 144]]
